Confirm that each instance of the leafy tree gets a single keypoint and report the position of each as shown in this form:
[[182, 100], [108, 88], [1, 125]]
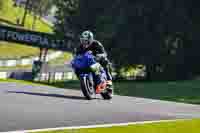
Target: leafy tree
[[67, 23], [162, 35], [39, 8]]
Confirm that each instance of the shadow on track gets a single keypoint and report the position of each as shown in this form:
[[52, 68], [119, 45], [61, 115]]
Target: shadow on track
[[48, 95]]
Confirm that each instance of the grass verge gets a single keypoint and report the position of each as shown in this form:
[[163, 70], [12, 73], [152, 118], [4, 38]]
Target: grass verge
[[178, 91], [182, 126], [61, 60]]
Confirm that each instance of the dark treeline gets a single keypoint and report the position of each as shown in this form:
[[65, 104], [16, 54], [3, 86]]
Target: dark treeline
[[161, 34]]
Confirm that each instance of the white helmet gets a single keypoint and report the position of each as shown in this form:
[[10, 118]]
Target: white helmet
[[86, 37]]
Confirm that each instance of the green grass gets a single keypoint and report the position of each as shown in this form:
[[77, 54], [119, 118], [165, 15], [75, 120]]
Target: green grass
[[9, 15], [181, 126], [179, 91], [16, 51], [61, 60], [18, 67]]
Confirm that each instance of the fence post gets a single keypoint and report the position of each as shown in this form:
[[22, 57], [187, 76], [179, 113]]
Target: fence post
[[49, 77], [54, 74], [63, 75]]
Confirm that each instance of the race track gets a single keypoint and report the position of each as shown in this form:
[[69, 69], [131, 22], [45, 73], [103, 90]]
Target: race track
[[25, 107]]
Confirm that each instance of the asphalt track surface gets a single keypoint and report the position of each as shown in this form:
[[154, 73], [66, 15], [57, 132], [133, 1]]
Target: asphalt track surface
[[25, 107]]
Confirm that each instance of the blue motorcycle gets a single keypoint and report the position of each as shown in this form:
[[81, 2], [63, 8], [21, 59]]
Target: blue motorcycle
[[88, 81]]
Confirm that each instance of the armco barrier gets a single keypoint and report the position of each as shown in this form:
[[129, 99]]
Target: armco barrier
[[26, 61], [48, 73]]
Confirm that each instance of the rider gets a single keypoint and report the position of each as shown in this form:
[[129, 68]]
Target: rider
[[88, 43]]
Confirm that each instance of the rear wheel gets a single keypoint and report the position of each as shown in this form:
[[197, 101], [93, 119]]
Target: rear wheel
[[108, 93], [87, 87]]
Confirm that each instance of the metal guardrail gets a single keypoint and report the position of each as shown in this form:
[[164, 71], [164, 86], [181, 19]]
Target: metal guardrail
[[48, 73], [26, 61]]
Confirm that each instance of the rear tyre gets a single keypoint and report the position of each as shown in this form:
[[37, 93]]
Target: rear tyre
[[87, 87], [108, 93]]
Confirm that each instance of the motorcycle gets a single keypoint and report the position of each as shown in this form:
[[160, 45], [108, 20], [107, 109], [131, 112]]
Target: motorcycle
[[88, 81]]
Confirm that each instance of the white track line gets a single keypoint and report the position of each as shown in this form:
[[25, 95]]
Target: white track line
[[92, 126]]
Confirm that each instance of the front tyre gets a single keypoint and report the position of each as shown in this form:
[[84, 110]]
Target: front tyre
[[87, 87]]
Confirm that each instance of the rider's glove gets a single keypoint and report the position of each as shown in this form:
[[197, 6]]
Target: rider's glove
[[100, 56], [89, 51]]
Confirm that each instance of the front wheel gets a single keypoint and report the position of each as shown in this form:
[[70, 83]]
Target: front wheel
[[87, 87]]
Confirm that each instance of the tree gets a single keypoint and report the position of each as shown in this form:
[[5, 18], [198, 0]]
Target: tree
[[25, 12], [163, 35], [39, 8], [68, 21]]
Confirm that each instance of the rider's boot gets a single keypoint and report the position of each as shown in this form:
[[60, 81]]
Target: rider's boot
[[100, 87], [109, 79], [101, 84]]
